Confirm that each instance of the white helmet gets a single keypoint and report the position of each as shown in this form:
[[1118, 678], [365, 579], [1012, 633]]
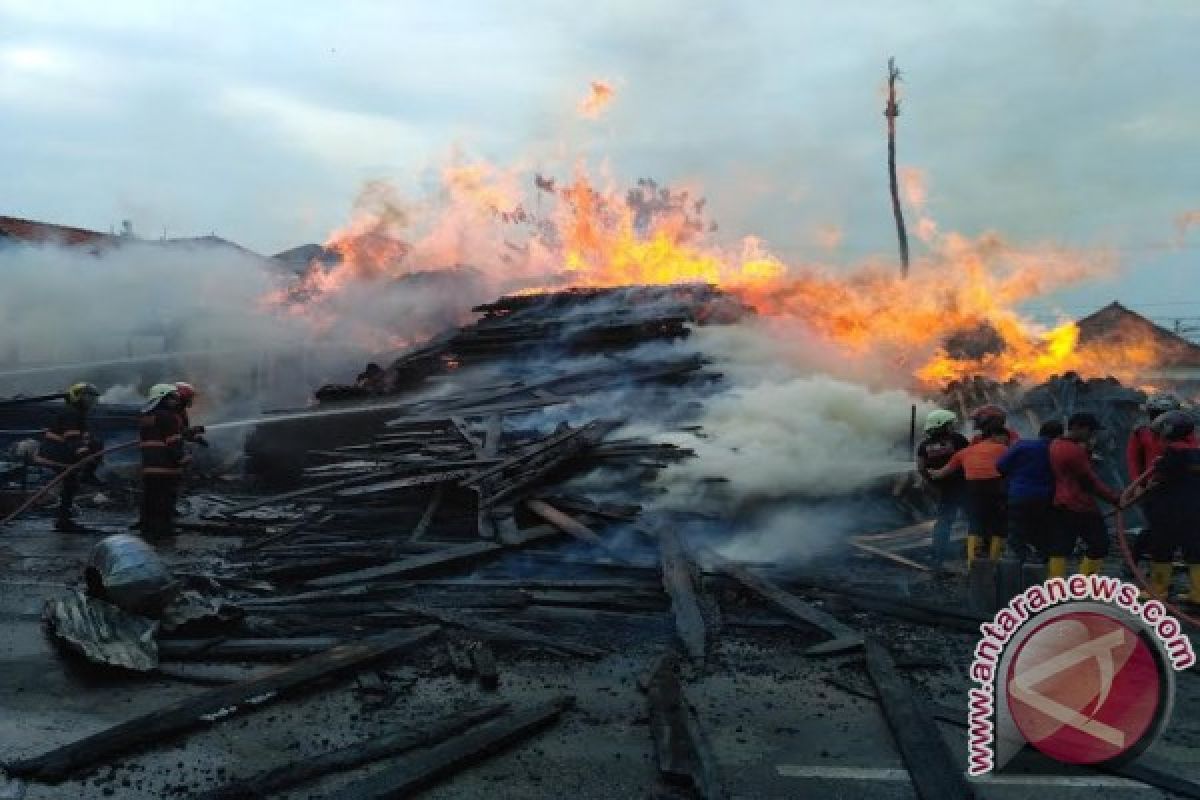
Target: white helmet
[[939, 418], [156, 394]]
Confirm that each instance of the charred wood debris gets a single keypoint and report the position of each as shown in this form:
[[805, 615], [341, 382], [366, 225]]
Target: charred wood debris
[[457, 530]]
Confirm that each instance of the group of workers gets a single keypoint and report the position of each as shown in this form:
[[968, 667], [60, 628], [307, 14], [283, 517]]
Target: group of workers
[[1040, 497], [164, 429]]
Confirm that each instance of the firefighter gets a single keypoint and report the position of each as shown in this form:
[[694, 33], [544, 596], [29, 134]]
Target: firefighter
[[1174, 487], [1076, 486], [67, 442], [985, 495], [991, 415], [1026, 468], [163, 459], [940, 444], [191, 433], [1142, 450]]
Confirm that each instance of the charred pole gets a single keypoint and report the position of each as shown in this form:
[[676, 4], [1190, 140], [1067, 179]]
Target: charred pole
[[891, 112]]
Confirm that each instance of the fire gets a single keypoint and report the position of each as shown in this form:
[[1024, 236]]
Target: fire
[[600, 95], [955, 317]]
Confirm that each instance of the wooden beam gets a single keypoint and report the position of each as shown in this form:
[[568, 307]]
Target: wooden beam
[[677, 579], [492, 434], [569, 525], [430, 510], [935, 773], [844, 637], [156, 726], [424, 767], [875, 551], [680, 747], [356, 755], [463, 553], [496, 631], [406, 483]]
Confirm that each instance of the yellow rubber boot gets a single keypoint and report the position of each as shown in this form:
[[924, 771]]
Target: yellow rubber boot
[[1056, 567], [1090, 566], [972, 548], [1193, 595], [996, 548], [1160, 579]]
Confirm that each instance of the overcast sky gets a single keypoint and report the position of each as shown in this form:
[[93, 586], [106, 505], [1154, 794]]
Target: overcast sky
[[1067, 121]]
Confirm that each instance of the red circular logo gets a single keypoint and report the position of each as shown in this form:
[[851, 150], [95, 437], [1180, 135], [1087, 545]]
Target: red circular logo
[[1084, 687]]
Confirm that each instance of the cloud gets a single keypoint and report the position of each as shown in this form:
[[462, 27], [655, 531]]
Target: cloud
[[336, 136]]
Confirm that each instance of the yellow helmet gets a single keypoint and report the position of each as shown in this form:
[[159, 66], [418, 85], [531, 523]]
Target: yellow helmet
[[78, 391]]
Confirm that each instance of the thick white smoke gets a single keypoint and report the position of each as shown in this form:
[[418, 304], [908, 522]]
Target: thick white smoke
[[785, 442]]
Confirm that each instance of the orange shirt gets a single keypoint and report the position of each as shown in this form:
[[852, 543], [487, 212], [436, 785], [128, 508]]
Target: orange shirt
[[978, 461]]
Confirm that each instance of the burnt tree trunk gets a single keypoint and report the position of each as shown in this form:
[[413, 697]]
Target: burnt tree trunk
[[891, 112]]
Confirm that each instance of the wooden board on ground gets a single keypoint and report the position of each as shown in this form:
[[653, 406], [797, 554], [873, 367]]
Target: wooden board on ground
[[349, 757], [496, 631], [935, 773], [681, 750], [677, 579], [471, 551], [423, 767], [155, 726]]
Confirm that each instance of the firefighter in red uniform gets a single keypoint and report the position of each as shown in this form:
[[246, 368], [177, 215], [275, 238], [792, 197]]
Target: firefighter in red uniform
[[1142, 450], [1076, 486], [187, 394], [1174, 488], [67, 442], [163, 458], [989, 417]]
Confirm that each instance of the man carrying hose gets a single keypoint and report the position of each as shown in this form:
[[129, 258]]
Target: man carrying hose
[[1173, 482], [65, 443], [163, 458]]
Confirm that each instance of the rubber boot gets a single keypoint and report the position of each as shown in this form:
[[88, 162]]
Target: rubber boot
[[1056, 567], [1160, 580], [1090, 566], [1193, 595], [996, 548], [972, 549]]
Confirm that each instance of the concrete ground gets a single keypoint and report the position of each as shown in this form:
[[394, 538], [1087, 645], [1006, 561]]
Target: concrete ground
[[777, 727]]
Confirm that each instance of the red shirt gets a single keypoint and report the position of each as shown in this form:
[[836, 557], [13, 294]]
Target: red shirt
[[1013, 437], [1075, 480], [1144, 448], [979, 460]]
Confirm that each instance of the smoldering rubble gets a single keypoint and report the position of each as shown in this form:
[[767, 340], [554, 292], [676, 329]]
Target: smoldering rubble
[[568, 547]]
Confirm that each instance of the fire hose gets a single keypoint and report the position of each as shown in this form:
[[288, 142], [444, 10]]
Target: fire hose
[[60, 477], [1127, 553]]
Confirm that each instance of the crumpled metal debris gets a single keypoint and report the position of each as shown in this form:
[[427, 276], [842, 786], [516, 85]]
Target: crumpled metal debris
[[127, 572], [102, 633]]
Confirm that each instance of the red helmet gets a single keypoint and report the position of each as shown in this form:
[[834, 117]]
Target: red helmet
[[990, 413], [186, 392]]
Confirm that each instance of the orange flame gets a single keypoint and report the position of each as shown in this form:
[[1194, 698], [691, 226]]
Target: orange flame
[[956, 317], [600, 95]]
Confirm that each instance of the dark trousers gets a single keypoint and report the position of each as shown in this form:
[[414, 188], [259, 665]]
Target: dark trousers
[[158, 504], [1070, 526], [67, 491], [987, 510], [1029, 525], [949, 504], [1173, 532]]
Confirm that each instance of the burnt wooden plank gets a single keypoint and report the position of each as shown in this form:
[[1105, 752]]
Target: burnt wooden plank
[[496, 631], [677, 579], [460, 660], [356, 755], [564, 522], [244, 649], [423, 767], [162, 723], [430, 510], [295, 493], [844, 637], [405, 483], [464, 553], [681, 750], [935, 773], [492, 434]]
